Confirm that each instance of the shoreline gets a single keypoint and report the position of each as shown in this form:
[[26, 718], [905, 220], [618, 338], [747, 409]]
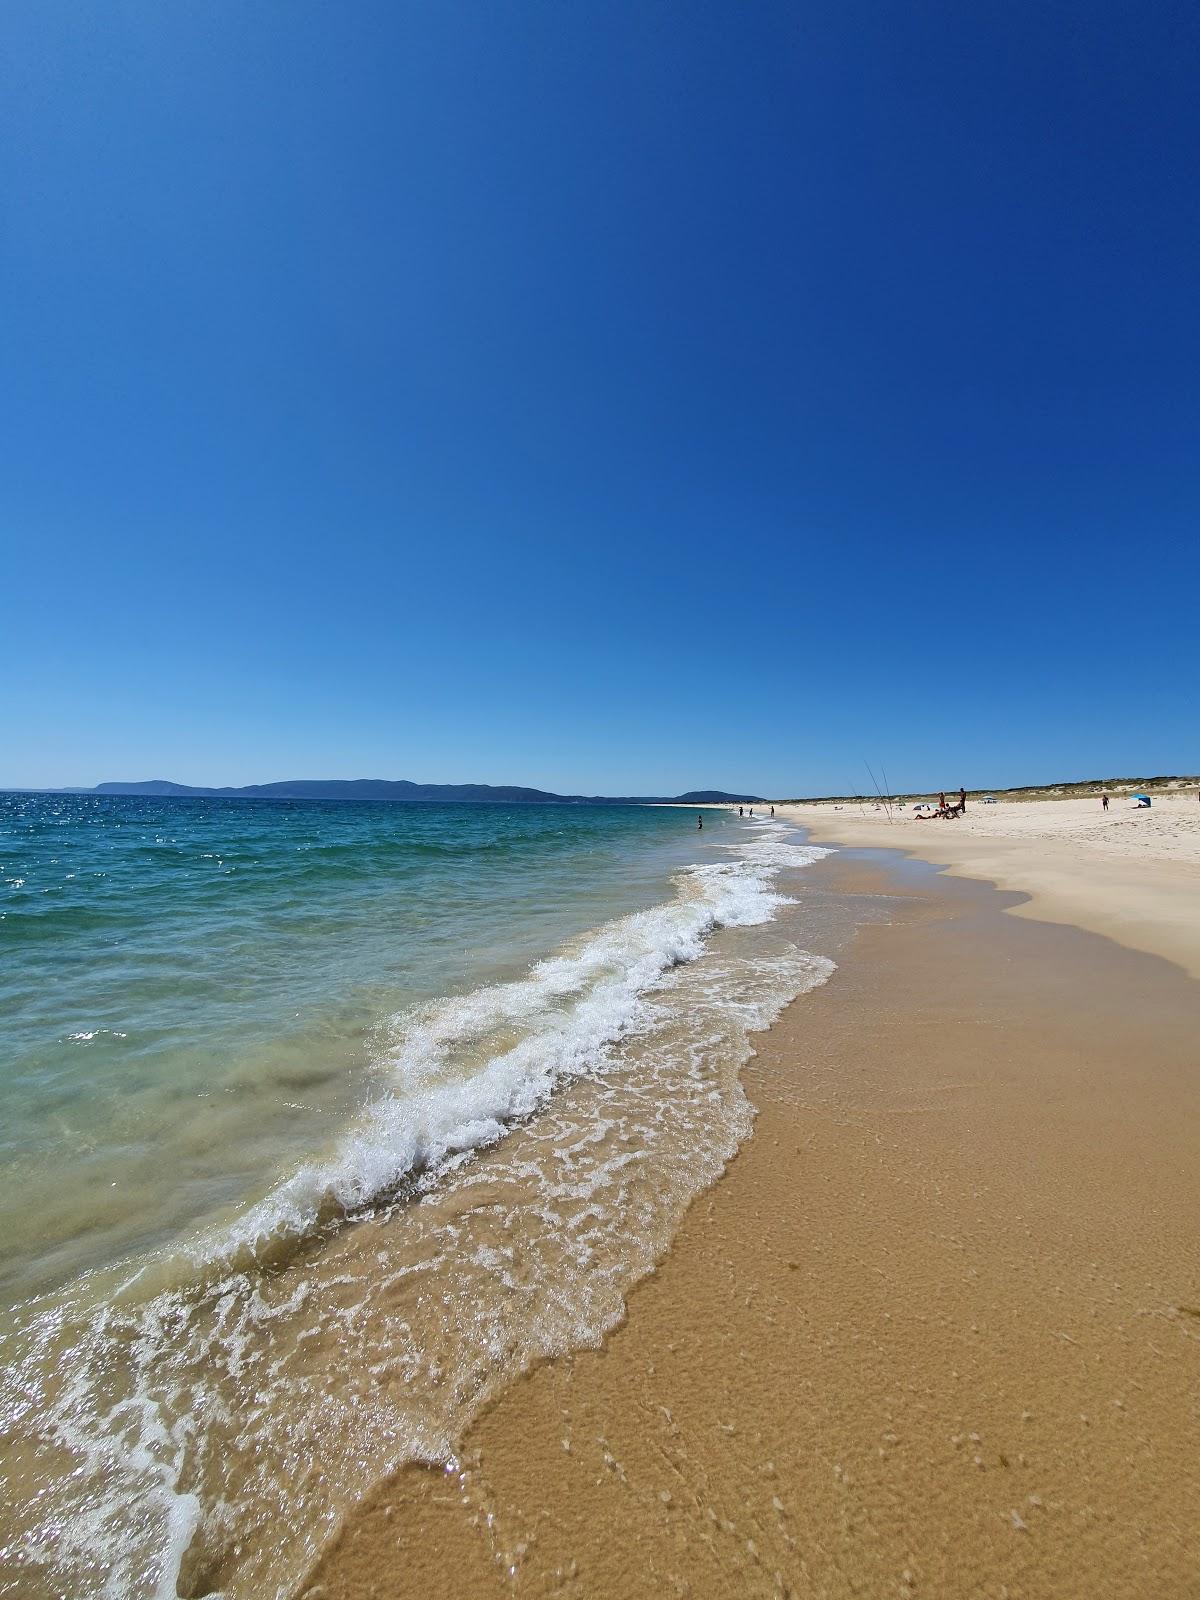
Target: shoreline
[[934, 1331], [487, 1205]]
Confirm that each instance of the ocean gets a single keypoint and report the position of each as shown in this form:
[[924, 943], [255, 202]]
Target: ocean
[[321, 1122]]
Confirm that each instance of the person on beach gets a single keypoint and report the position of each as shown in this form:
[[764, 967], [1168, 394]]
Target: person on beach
[[941, 805], [699, 819], [772, 810], [962, 800], [741, 811], [1104, 802]]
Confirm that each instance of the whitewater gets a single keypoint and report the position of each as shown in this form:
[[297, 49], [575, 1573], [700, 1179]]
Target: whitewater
[[494, 1142]]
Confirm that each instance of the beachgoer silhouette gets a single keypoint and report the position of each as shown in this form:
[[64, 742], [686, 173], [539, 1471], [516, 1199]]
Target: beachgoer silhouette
[[772, 810], [1104, 801], [751, 810], [699, 820], [962, 799], [741, 811]]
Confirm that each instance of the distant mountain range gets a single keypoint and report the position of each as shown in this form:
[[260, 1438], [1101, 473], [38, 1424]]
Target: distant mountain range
[[401, 789]]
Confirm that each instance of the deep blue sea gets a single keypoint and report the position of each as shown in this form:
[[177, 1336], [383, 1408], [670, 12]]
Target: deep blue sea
[[319, 1120]]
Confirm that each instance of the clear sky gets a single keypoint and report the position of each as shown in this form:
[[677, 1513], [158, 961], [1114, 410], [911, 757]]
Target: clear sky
[[605, 396]]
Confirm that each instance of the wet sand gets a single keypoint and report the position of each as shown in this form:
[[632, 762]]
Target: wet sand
[[936, 1332]]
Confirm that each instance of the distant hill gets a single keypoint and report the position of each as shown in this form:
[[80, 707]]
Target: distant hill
[[401, 789]]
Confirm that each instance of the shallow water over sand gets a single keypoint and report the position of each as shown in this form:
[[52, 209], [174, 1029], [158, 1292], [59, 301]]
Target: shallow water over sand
[[504, 1154], [198, 994]]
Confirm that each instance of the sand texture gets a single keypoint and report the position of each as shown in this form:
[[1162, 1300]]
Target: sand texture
[[936, 1332]]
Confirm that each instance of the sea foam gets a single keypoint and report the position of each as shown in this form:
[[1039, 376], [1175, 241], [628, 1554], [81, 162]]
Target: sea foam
[[200, 1429], [571, 1008]]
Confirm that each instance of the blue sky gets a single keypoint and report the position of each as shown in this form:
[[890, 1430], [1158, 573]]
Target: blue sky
[[607, 397]]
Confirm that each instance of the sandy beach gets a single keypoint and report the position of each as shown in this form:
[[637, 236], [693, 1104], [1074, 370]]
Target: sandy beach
[[1133, 875], [937, 1330]]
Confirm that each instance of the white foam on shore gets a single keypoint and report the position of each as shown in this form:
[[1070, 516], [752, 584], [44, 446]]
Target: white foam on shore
[[570, 1009], [140, 1399]]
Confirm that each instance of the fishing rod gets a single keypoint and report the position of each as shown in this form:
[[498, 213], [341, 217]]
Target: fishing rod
[[878, 790], [891, 799]]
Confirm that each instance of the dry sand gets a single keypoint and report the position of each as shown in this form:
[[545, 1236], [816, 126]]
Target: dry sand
[[937, 1331], [1133, 875]]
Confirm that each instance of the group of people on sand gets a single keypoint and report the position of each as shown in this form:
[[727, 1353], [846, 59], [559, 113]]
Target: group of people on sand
[[945, 808]]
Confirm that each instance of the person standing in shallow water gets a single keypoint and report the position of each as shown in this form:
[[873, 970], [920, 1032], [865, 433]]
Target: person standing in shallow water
[[772, 810], [699, 819], [741, 811]]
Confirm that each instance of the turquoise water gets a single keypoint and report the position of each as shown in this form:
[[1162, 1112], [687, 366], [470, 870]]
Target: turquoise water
[[322, 1122], [197, 992]]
